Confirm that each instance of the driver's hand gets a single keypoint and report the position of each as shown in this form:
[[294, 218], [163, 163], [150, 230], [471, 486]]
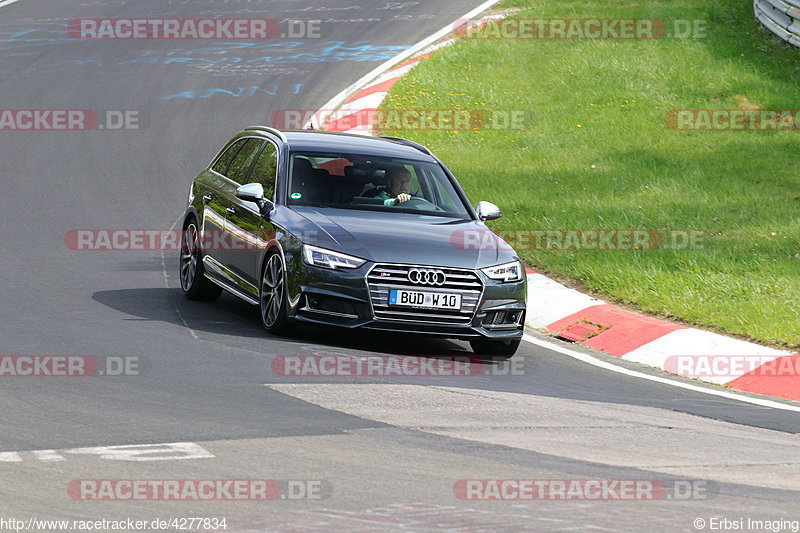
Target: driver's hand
[[403, 197]]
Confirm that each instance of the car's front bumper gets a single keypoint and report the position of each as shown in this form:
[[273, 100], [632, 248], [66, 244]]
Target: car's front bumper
[[346, 298]]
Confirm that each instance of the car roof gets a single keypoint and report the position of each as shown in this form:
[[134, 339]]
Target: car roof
[[328, 141]]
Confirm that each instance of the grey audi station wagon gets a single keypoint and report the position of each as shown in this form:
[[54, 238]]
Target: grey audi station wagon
[[350, 231]]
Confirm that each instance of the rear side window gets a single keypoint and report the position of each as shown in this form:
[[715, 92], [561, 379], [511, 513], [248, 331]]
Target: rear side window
[[266, 169], [224, 162], [241, 164]]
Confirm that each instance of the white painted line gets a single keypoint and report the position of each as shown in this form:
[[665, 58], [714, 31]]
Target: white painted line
[[147, 452], [171, 451], [395, 74], [371, 101], [48, 455], [632, 373], [337, 100], [166, 281], [7, 2]]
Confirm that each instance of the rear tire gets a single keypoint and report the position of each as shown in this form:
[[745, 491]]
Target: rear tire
[[499, 349], [273, 300], [194, 283]]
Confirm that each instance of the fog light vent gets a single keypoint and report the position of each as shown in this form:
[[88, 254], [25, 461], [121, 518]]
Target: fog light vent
[[501, 319], [329, 306]]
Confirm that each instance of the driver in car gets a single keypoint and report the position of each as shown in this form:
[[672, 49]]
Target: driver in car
[[397, 192]]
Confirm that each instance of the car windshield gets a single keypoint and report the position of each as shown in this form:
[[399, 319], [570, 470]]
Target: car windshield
[[373, 183]]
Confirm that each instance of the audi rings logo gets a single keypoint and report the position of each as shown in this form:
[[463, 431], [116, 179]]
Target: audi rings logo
[[424, 276]]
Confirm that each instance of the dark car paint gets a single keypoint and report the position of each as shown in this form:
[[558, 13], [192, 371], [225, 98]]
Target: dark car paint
[[374, 236], [401, 237]]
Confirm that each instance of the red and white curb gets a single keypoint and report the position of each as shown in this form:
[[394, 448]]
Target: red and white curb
[[571, 315], [574, 316]]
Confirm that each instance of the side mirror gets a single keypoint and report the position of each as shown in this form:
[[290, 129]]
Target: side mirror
[[488, 211], [254, 192]]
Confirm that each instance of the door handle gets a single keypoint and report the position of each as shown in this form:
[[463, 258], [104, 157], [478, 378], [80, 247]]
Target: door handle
[[207, 198], [231, 211]]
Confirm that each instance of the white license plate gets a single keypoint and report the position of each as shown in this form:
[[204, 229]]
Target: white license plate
[[435, 300]]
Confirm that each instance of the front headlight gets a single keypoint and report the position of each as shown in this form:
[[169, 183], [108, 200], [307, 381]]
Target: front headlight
[[505, 273], [329, 259]]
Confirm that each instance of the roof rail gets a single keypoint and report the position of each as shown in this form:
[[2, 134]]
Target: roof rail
[[408, 143], [273, 131]]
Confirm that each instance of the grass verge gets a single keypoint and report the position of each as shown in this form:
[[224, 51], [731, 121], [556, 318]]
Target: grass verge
[[598, 154]]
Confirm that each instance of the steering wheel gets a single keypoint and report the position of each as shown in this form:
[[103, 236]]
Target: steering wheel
[[420, 203]]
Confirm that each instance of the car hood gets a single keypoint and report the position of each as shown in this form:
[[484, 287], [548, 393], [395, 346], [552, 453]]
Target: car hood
[[405, 238]]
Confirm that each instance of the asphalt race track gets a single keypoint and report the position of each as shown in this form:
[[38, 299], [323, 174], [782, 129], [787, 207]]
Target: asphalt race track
[[385, 453]]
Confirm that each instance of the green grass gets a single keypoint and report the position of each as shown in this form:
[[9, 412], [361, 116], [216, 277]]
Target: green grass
[[599, 155]]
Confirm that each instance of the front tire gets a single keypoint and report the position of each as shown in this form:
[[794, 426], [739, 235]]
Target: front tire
[[499, 349], [273, 298], [194, 283]]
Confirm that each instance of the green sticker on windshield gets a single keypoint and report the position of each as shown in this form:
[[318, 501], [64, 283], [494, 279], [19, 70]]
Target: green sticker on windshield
[[296, 196]]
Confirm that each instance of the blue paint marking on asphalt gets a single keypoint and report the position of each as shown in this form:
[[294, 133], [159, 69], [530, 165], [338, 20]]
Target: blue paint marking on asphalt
[[24, 36], [224, 46], [15, 36], [270, 90], [12, 36], [295, 58]]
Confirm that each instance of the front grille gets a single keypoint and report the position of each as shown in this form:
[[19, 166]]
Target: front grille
[[383, 277]]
